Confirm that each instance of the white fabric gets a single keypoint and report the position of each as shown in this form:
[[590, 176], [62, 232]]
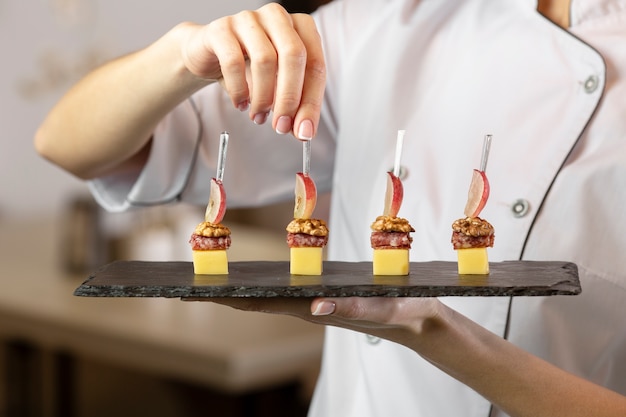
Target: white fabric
[[448, 72]]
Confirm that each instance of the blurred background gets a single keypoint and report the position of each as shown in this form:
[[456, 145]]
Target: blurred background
[[62, 355]]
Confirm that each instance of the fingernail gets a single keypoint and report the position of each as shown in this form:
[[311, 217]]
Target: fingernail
[[283, 126], [305, 131], [260, 118], [244, 105], [324, 308]]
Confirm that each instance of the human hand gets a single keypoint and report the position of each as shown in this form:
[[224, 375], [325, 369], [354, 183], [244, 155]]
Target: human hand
[[266, 60], [400, 319], [519, 383]]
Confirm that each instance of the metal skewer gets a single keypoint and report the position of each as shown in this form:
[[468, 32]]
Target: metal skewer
[[306, 157], [399, 143], [221, 156], [485, 156]]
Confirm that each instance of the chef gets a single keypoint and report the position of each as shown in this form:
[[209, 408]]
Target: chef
[[547, 80]]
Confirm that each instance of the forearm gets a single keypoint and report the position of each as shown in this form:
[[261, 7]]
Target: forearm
[[519, 383], [109, 116]]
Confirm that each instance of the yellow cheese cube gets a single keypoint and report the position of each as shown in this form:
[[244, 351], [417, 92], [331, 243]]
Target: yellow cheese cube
[[305, 261], [473, 261], [210, 262], [391, 262]]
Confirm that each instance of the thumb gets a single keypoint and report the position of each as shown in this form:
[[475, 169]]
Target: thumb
[[351, 308], [323, 307]]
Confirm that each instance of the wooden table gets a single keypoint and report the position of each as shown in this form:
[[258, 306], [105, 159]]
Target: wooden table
[[200, 342]]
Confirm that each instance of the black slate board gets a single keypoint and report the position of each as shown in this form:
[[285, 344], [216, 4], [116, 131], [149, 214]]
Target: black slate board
[[339, 279]]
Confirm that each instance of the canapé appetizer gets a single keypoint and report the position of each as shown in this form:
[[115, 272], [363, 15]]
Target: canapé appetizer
[[471, 235], [390, 237], [306, 237], [211, 238]]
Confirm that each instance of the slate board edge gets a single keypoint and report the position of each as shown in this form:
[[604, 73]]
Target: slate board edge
[[191, 292]]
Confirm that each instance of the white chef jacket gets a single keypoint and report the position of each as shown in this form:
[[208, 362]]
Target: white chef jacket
[[448, 73]]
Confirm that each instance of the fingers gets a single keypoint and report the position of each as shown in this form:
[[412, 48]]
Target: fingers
[[308, 113], [215, 52], [323, 307], [262, 62], [289, 80], [268, 61], [376, 312], [292, 58], [355, 309], [298, 307], [399, 319]]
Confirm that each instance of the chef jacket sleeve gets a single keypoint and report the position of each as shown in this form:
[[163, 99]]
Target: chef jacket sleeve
[[163, 179], [260, 166]]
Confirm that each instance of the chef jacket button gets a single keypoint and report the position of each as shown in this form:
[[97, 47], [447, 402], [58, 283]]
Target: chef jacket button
[[520, 208], [591, 84], [372, 340]]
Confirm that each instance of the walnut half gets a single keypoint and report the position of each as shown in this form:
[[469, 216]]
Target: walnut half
[[473, 226], [207, 229], [391, 224], [313, 227]]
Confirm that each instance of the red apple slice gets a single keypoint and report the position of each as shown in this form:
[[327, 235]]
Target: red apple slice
[[393, 195], [478, 194], [216, 208], [306, 196]]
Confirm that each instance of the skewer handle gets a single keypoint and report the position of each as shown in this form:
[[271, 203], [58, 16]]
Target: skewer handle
[[221, 155], [485, 156], [306, 157], [399, 144]]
